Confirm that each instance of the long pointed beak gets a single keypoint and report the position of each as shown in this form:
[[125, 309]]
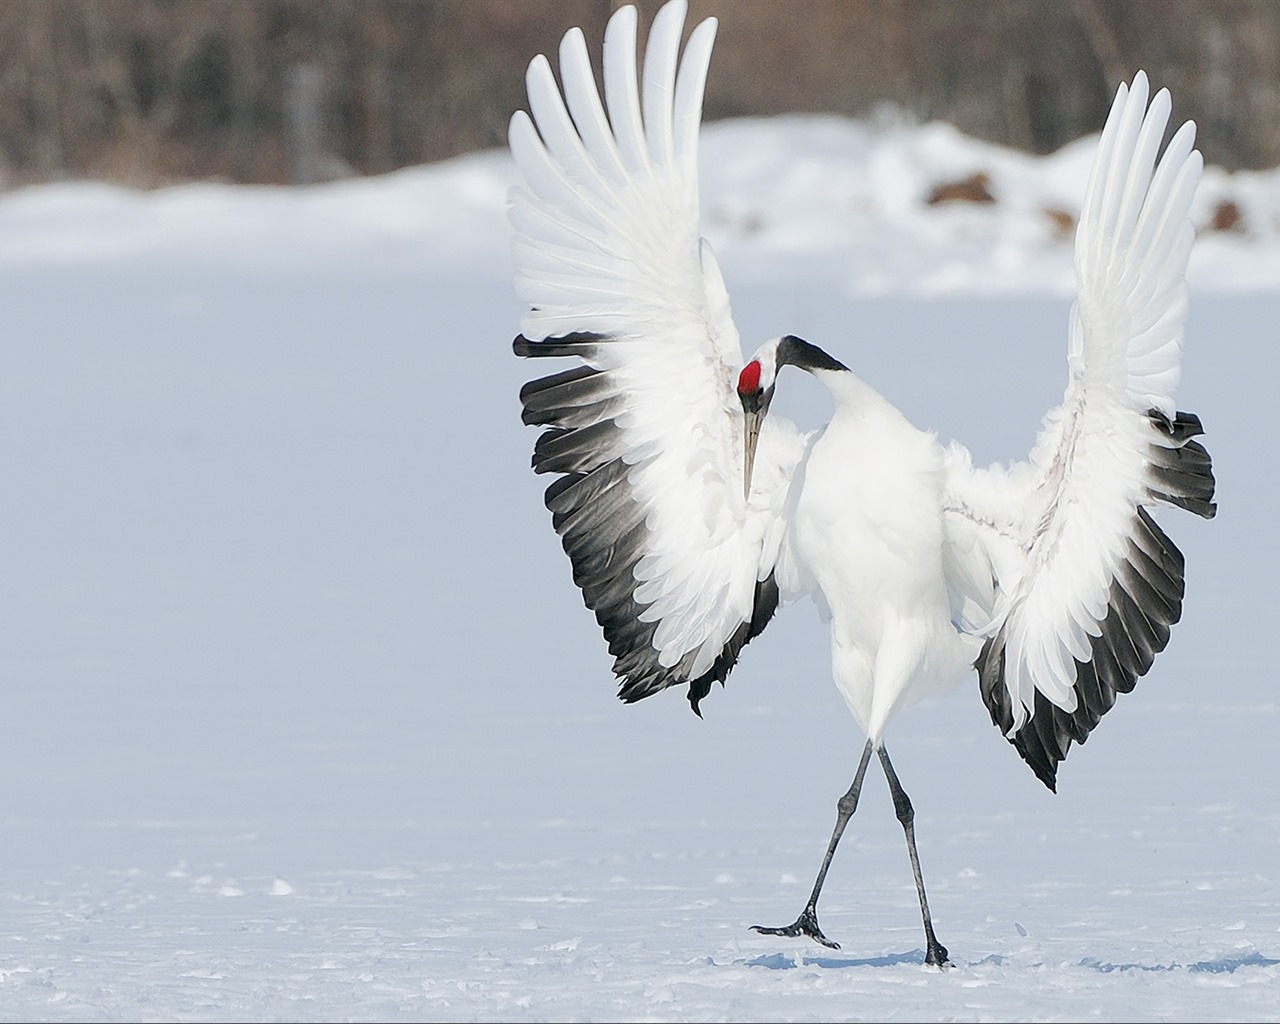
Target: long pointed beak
[[751, 437]]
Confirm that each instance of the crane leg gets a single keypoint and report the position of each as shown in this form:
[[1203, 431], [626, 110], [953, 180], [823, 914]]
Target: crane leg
[[807, 922], [936, 953]]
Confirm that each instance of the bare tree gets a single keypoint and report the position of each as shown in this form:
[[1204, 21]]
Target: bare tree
[[153, 91]]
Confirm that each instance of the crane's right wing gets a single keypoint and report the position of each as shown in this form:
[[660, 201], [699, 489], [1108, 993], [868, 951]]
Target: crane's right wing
[[645, 432]]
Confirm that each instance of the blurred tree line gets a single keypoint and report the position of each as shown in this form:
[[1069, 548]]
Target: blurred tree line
[[149, 92]]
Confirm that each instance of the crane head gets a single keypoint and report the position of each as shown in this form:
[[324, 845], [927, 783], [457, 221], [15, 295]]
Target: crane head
[[756, 383], [755, 391]]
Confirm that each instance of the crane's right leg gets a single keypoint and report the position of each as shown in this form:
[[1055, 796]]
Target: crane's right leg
[[807, 922], [936, 952]]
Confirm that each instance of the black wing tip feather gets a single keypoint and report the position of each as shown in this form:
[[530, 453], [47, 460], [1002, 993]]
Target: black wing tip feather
[[1183, 469], [766, 603], [575, 343], [995, 695], [1183, 426], [636, 685]]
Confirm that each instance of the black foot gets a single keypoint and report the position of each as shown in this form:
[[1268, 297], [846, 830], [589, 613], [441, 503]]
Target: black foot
[[937, 955], [807, 924]]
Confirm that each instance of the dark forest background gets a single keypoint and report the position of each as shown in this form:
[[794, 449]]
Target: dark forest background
[[149, 92]]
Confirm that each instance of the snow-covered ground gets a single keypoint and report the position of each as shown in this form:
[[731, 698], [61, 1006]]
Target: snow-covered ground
[[303, 718]]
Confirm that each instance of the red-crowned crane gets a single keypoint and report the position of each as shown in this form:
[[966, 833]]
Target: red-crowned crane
[[687, 511]]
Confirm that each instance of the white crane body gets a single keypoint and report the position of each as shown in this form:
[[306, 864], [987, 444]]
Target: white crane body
[[867, 526], [689, 513]]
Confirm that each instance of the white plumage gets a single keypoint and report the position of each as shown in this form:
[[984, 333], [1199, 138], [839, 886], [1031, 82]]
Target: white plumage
[[688, 512]]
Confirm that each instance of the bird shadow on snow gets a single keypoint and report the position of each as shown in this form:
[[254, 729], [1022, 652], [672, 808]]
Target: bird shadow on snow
[[784, 962], [1224, 965]]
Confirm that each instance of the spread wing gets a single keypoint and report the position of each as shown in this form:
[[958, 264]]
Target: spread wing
[[1058, 563], [644, 432]]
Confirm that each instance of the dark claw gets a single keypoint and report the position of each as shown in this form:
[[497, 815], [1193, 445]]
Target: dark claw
[[807, 924], [937, 955]]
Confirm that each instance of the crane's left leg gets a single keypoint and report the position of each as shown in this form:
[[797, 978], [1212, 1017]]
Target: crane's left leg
[[807, 922], [936, 952]]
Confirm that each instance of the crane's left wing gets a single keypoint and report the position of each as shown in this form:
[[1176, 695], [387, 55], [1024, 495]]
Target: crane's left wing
[[1058, 564], [645, 432]]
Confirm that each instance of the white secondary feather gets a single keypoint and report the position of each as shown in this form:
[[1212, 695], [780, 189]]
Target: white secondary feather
[[1035, 549], [607, 242]]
